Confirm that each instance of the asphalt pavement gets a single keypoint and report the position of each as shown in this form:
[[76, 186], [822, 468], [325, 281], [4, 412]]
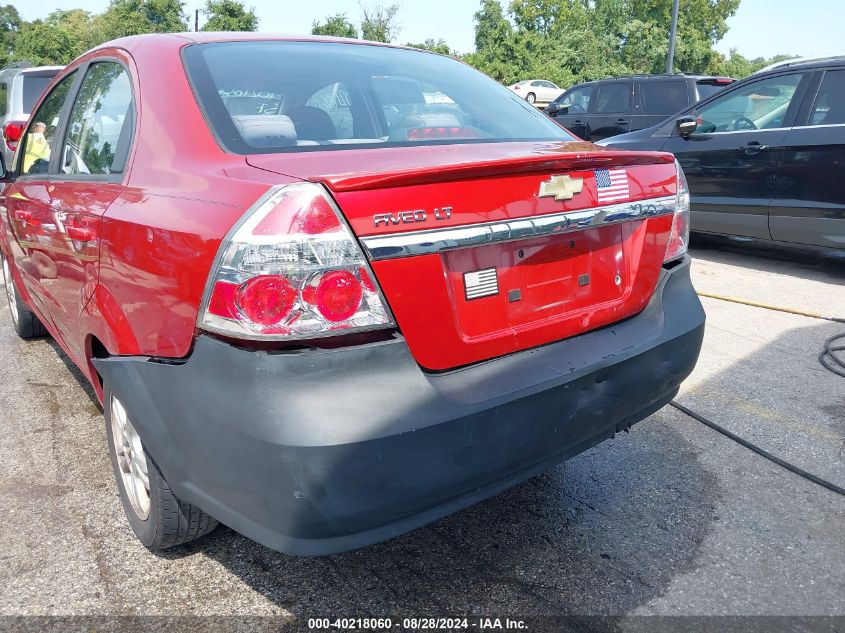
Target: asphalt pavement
[[672, 518]]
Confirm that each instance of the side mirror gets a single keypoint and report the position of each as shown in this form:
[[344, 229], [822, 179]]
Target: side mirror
[[4, 175], [686, 125], [553, 108]]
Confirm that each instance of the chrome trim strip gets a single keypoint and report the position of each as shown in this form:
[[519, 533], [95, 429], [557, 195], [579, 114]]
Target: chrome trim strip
[[408, 244]]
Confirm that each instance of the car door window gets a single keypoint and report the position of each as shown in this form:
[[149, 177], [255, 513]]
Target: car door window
[[760, 105], [577, 100], [100, 122], [40, 138], [4, 93], [829, 106], [613, 98], [663, 97]]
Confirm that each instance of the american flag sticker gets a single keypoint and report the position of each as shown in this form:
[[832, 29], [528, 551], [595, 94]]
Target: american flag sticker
[[481, 283], [611, 185]]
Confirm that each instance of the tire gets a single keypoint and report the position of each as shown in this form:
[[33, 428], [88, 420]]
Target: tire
[[160, 520], [25, 322], [531, 98]]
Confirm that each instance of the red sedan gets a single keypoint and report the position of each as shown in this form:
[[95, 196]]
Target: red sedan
[[330, 291]]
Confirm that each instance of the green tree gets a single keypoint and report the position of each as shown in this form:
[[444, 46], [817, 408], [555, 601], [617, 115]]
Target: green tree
[[131, 17], [640, 29], [492, 29], [229, 15], [44, 44], [549, 17], [79, 25], [10, 26], [737, 66], [335, 25], [378, 23], [569, 41], [436, 46]]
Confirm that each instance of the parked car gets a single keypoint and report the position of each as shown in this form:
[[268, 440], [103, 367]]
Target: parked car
[[20, 87], [536, 90], [764, 158], [325, 336], [599, 109]]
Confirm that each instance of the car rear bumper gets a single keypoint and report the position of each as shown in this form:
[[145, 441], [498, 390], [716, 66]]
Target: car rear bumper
[[319, 451]]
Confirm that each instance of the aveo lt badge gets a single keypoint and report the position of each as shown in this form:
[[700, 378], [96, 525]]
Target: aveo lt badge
[[410, 217], [561, 187]]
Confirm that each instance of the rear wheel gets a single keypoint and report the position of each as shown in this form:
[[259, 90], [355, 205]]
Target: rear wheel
[[26, 323], [158, 518], [531, 97]]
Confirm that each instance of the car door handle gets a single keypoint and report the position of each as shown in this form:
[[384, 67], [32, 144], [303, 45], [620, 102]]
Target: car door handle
[[578, 122], [622, 121], [80, 233], [753, 148]]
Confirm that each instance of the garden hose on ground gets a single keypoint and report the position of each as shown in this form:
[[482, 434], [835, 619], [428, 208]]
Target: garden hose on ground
[[828, 358], [760, 451]]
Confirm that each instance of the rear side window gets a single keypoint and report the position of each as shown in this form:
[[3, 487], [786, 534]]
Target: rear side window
[[33, 86], [663, 97], [100, 122], [705, 88], [276, 96], [613, 97], [829, 106], [40, 139]]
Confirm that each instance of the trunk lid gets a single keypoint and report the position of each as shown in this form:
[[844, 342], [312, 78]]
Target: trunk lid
[[475, 263]]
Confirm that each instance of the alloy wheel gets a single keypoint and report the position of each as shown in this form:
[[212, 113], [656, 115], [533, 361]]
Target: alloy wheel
[[131, 460], [10, 290]]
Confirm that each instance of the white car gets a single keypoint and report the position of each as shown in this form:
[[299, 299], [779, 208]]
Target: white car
[[537, 90]]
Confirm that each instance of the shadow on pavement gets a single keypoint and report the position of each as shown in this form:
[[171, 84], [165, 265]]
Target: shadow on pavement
[[768, 257]]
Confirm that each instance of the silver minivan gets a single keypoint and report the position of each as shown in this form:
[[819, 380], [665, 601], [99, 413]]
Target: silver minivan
[[20, 86]]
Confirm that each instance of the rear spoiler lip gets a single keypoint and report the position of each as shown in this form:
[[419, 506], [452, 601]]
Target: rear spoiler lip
[[575, 161]]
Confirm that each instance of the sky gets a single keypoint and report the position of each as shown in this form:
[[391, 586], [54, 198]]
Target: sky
[[760, 28]]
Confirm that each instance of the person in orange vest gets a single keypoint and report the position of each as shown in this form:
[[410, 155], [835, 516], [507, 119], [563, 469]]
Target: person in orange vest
[[36, 147]]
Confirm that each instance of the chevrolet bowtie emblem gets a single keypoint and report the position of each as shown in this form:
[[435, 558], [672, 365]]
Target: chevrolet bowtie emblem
[[561, 187]]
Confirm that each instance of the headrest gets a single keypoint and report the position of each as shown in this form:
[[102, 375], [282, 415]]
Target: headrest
[[265, 130]]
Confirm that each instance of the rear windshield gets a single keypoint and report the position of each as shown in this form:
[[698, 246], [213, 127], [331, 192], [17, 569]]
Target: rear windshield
[[33, 86], [268, 96]]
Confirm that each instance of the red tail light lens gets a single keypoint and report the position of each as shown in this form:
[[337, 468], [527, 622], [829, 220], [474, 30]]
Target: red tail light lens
[[12, 133], [265, 300], [679, 235], [338, 295], [289, 270]]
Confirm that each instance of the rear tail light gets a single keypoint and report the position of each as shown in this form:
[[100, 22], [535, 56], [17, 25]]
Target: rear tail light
[[12, 133], [679, 235], [291, 269]]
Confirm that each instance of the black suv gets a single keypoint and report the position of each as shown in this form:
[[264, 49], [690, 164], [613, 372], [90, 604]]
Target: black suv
[[765, 158], [599, 109]]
